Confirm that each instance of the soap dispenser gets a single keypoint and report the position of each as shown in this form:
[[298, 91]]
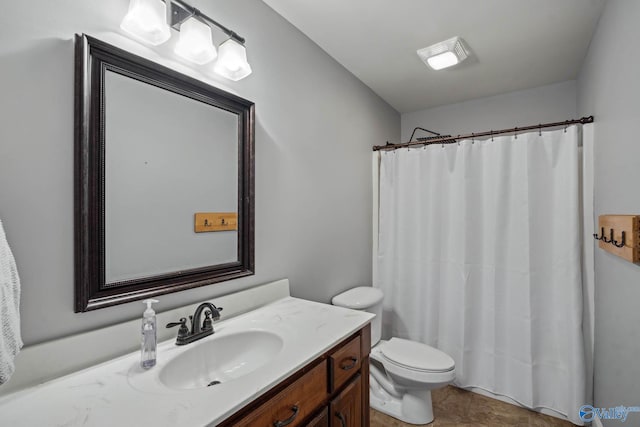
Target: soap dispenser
[[149, 336]]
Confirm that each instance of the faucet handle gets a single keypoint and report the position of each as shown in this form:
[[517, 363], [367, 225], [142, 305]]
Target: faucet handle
[[208, 322], [182, 322], [183, 332]]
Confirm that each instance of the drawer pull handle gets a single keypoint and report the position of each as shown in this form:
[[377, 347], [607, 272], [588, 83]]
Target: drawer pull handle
[[352, 365], [342, 419], [289, 420]]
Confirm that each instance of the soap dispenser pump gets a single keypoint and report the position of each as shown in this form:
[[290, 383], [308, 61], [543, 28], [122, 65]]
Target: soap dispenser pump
[[149, 336]]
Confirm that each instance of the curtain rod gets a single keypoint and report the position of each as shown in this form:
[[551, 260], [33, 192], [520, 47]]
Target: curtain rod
[[453, 139]]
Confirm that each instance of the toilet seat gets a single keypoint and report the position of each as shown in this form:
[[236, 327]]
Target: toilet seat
[[440, 368], [416, 356]]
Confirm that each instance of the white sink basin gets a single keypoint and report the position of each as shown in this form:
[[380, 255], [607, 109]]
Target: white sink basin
[[220, 359]]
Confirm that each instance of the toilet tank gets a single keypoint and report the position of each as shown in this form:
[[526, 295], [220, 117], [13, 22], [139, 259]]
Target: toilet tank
[[367, 299]]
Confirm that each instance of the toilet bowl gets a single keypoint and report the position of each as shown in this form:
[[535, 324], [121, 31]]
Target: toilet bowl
[[402, 372]]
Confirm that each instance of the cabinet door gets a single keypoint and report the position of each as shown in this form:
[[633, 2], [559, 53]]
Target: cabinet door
[[320, 420], [345, 410]]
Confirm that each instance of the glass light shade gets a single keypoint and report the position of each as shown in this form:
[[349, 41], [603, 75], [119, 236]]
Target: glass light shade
[[195, 43], [147, 21], [443, 60], [232, 61]]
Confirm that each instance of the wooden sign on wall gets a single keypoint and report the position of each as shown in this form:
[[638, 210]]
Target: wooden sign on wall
[[620, 235], [215, 221]]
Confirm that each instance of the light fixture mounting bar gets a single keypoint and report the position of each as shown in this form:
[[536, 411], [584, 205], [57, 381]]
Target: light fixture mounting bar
[[179, 11]]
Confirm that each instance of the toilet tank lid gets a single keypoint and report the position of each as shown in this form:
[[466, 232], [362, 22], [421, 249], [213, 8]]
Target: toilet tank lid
[[359, 298]]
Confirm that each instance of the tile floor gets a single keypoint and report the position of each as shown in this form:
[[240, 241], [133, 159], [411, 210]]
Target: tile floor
[[453, 407]]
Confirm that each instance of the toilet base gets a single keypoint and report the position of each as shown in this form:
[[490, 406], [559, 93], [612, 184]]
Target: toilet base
[[414, 407]]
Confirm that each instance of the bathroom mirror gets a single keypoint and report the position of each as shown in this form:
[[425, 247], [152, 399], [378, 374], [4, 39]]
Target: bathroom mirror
[[153, 149]]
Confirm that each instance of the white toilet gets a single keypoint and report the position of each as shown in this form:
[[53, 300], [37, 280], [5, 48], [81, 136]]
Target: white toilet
[[403, 372]]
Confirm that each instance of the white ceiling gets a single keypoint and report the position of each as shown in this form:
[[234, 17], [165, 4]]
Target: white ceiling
[[516, 44]]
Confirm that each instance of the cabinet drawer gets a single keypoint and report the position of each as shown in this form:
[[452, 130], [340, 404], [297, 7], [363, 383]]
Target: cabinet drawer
[[293, 404], [344, 362]]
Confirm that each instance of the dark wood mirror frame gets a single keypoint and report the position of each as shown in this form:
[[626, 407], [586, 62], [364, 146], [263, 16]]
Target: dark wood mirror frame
[[92, 59]]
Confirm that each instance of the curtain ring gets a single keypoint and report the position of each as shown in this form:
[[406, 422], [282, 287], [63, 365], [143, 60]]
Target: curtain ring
[[473, 138], [565, 126], [539, 129], [516, 132], [491, 135]]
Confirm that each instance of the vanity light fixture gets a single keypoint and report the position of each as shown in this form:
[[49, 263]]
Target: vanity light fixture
[[444, 54], [149, 21], [146, 21], [232, 62], [195, 43]]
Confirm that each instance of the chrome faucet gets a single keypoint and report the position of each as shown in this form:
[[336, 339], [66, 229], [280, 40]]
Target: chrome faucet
[[199, 328]]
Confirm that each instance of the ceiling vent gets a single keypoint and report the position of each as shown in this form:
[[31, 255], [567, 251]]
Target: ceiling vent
[[444, 54]]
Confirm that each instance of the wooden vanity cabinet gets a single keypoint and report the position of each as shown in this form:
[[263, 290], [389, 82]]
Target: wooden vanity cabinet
[[331, 391]]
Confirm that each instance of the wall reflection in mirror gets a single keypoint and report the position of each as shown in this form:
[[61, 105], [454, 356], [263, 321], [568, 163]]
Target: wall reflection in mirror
[[160, 169]]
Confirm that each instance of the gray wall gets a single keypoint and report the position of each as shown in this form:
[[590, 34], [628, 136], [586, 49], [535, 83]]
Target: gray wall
[[539, 105], [315, 127], [608, 87]]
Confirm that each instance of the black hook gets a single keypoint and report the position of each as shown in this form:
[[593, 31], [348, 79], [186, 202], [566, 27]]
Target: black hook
[[601, 237], [622, 243], [539, 129], [516, 132], [604, 239]]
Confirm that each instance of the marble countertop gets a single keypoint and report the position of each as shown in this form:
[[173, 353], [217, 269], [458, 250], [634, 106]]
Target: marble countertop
[[119, 393]]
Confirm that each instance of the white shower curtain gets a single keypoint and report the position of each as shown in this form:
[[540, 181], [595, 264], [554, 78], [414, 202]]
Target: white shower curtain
[[479, 254]]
